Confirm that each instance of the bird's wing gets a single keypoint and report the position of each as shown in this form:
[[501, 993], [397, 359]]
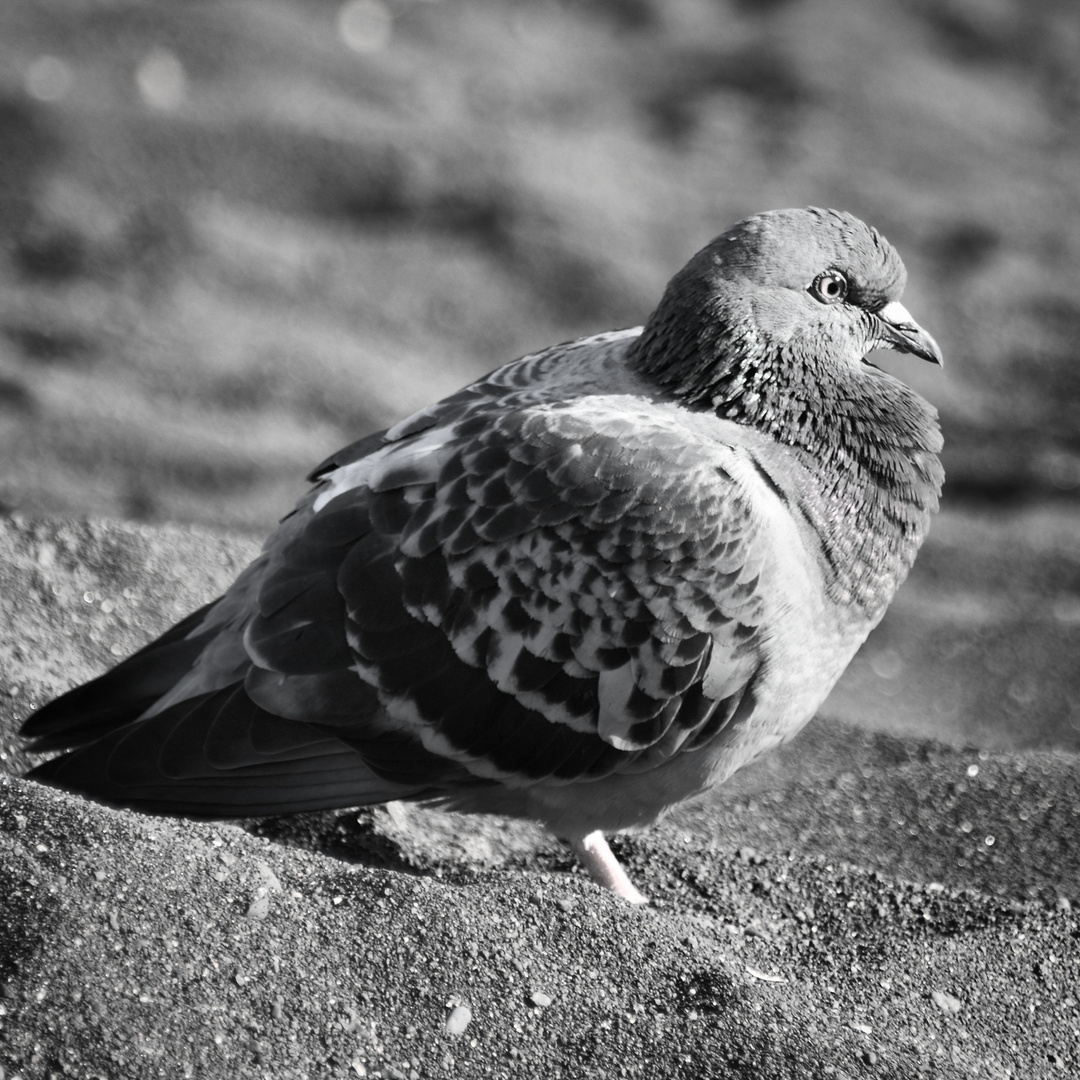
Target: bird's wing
[[498, 589], [546, 591]]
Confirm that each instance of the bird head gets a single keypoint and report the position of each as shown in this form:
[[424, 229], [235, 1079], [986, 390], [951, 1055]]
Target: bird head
[[821, 277], [807, 292]]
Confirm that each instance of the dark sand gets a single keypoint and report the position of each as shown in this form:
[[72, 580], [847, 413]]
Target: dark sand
[[857, 904]]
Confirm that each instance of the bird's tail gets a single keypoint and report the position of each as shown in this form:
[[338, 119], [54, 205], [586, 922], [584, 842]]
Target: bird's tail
[[125, 692], [220, 756], [216, 754]]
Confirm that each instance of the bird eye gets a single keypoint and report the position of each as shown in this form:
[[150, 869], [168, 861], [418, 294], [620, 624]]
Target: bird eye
[[830, 287]]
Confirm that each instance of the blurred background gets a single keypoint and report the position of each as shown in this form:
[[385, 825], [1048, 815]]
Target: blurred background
[[235, 235]]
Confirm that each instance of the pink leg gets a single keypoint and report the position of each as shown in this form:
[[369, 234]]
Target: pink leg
[[604, 868]]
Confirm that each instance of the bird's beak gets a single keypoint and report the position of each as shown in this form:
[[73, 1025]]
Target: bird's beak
[[901, 332]]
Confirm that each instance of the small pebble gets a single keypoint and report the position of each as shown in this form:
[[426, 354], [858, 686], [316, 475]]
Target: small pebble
[[459, 1019], [259, 908], [946, 1002], [267, 876]]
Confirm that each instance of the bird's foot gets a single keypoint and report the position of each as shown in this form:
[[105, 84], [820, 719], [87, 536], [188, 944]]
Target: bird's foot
[[604, 868]]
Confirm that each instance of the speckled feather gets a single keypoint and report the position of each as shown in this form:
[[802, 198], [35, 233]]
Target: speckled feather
[[582, 589]]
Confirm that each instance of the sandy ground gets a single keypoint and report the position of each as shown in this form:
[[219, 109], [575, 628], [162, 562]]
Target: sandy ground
[[140, 947], [235, 236], [857, 904]]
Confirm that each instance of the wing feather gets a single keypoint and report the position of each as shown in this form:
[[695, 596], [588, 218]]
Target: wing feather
[[218, 755], [559, 570]]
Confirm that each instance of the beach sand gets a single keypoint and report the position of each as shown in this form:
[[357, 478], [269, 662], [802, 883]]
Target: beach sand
[[857, 903]]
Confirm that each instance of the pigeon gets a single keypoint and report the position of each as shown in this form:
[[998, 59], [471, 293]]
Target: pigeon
[[583, 589]]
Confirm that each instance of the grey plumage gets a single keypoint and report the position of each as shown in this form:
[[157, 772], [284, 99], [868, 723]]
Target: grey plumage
[[582, 589]]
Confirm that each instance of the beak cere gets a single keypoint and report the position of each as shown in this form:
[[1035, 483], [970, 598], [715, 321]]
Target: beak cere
[[901, 332]]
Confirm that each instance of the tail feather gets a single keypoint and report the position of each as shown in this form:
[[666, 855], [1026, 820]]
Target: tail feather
[[199, 759], [86, 713]]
